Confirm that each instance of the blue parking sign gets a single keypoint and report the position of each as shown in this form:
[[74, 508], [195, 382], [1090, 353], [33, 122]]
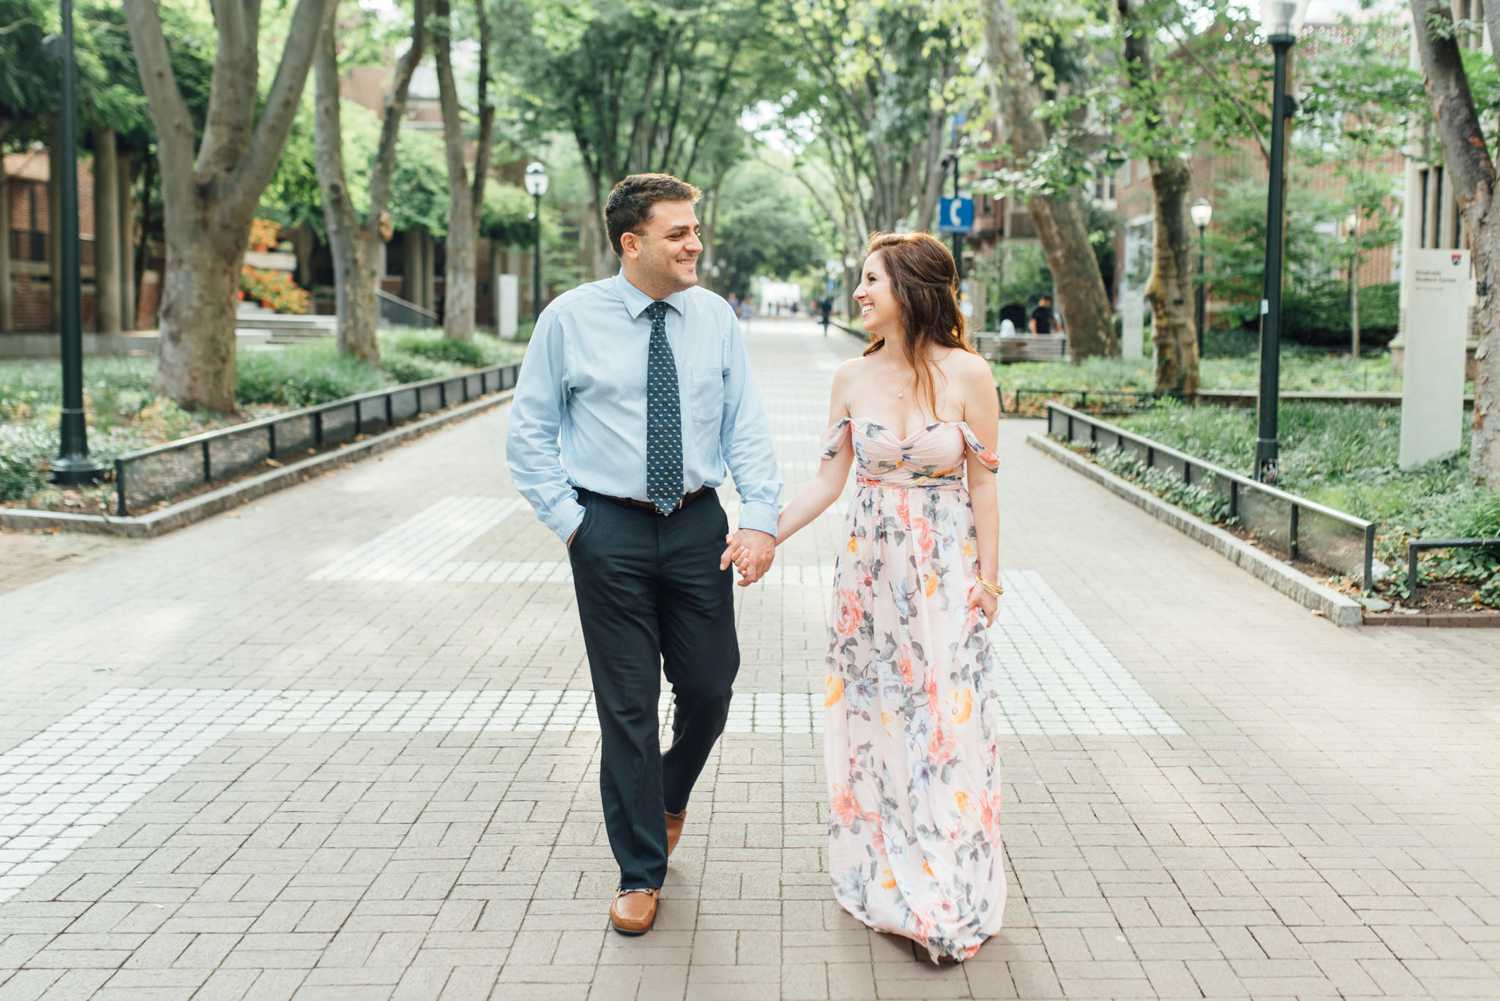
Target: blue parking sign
[[956, 215]]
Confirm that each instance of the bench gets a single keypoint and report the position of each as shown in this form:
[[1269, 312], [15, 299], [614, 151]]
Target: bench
[[1022, 347]]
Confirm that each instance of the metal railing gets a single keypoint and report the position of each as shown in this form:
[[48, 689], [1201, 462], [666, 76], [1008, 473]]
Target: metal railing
[[1301, 528], [848, 330], [1139, 397], [402, 313], [1415, 546], [165, 471]]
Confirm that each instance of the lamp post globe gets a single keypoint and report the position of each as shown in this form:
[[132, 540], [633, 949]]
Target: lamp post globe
[[536, 187], [1201, 212], [1281, 20]]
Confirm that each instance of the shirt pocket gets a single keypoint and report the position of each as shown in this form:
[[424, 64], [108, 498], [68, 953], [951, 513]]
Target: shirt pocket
[[705, 397]]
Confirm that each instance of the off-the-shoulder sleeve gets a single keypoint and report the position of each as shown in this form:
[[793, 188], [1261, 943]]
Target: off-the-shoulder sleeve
[[989, 460], [834, 437]]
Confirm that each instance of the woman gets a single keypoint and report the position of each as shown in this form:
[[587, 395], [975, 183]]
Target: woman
[[913, 713]]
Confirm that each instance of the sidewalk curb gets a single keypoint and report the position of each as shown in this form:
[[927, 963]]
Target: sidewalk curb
[[231, 495], [1339, 609]]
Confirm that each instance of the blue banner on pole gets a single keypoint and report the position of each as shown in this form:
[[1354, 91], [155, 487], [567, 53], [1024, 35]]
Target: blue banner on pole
[[956, 215]]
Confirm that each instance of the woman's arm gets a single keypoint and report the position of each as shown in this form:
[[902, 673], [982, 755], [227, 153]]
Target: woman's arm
[[813, 499], [982, 411]]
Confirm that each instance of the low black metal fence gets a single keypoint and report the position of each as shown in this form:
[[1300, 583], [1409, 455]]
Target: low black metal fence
[[165, 471], [1118, 400], [1301, 528], [1415, 547]]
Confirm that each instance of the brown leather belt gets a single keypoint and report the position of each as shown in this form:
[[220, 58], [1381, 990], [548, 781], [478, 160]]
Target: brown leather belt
[[687, 499]]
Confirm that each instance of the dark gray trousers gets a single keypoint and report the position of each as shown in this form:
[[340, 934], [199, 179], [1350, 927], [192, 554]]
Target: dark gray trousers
[[652, 599]]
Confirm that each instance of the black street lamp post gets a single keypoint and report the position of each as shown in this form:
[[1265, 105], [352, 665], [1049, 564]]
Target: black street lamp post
[[72, 465], [536, 186], [1281, 19], [1201, 212]]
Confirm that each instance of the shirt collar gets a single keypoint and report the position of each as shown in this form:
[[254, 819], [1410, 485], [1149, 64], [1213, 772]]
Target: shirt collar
[[636, 301]]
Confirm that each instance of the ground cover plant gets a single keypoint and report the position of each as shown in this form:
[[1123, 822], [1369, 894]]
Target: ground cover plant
[[1344, 456], [1234, 366], [125, 413]]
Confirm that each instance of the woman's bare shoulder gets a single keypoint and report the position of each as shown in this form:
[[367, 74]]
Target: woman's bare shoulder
[[964, 364], [850, 370]]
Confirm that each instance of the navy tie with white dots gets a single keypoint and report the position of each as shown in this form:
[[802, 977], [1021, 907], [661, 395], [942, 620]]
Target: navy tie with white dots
[[663, 418]]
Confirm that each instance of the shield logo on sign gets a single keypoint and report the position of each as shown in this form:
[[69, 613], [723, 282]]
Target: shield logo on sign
[[1457, 258]]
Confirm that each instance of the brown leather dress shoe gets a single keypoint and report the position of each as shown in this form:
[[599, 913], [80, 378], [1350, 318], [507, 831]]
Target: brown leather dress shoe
[[633, 912], [674, 829]]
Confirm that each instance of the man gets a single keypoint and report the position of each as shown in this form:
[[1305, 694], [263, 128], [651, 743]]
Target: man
[[1042, 318], [634, 396]]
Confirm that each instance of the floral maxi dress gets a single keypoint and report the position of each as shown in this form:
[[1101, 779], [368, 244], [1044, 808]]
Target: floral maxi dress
[[912, 708]]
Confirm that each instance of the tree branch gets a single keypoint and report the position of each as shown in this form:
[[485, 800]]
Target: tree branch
[[394, 111], [1465, 152], [1246, 115], [269, 138], [453, 136], [329, 133], [231, 96], [169, 114], [486, 112]]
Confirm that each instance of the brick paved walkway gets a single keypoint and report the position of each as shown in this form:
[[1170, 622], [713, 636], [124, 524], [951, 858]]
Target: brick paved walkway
[[341, 747]]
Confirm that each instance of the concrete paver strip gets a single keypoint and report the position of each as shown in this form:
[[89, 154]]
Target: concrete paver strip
[[1310, 811]]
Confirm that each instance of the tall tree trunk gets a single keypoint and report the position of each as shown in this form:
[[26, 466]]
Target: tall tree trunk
[[356, 245], [7, 309], [1472, 173], [458, 277], [1064, 235], [150, 195], [1170, 288], [210, 188], [1060, 218], [127, 226], [205, 252], [107, 305]]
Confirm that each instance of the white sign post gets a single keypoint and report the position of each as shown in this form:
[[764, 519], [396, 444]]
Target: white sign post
[[1437, 330], [508, 308], [1132, 319]]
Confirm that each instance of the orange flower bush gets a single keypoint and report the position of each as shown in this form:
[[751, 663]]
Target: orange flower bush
[[264, 234], [274, 290]]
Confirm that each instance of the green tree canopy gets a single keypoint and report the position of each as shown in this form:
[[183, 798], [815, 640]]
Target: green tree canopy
[[109, 85], [765, 227]]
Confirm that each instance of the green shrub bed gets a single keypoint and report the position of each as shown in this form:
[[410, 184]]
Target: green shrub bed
[[125, 413], [1343, 456]]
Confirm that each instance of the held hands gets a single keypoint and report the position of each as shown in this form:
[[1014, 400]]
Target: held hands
[[985, 601], [751, 552]]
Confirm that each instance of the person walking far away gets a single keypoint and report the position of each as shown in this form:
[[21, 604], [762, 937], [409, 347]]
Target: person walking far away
[[634, 397], [1043, 318], [913, 713]]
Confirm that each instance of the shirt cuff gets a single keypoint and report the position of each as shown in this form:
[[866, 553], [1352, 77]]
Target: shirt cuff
[[759, 516], [565, 518]]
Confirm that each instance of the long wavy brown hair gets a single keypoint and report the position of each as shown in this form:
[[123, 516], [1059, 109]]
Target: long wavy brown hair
[[924, 280]]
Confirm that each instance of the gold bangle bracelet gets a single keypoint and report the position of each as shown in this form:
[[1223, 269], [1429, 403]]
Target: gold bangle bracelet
[[992, 588]]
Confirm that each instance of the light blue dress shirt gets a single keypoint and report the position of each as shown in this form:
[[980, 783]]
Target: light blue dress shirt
[[578, 418]]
